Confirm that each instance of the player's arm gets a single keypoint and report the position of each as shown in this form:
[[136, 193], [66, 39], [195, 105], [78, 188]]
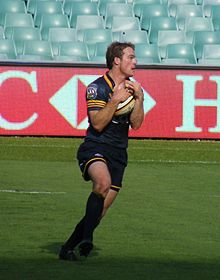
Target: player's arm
[[137, 115], [100, 118]]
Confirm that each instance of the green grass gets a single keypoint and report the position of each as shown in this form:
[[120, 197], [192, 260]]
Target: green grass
[[165, 223]]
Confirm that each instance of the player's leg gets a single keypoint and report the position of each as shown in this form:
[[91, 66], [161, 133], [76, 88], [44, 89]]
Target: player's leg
[[99, 174], [111, 196]]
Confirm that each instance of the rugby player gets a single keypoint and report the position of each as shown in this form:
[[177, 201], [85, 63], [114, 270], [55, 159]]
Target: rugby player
[[103, 154]]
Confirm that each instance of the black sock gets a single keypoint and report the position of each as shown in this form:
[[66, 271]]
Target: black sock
[[77, 235], [94, 210]]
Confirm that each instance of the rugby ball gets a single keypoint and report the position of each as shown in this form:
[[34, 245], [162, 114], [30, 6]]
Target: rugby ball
[[125, 107]]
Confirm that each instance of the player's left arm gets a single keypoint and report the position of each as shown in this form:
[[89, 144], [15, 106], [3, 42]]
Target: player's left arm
[[137, 115]]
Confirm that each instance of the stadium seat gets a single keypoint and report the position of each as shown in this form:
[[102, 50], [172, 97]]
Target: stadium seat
[[82, 8], [193, 24], [209, 62], [3, 56], [21, 34], [67, 58], [150, 11], [15, 20], [215, 15], [7, 47], [31, 5], [98, 59], [46, 7], [211, 51], [33, 57], [68, 4], [160, 23], [117, 10], [166, 37], [39, 48], [134, 36], [100, 49], [11, 6], [2, 35], [61, 34], [186, 11], [173, 4], [175, 61], [201, 38], [181, 51], [52, 21], [207, 6], [88, 22], [122, 24], [139, 4], [93, 36], [144, 52], [74, 49], [103, 3]]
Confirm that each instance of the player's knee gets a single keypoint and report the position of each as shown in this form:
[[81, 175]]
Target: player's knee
[[102, 187]]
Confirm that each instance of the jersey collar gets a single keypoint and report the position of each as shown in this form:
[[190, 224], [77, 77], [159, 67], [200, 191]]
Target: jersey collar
[[109, 81]]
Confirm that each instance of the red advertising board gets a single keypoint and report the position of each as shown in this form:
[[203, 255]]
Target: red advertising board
[[50, 101]]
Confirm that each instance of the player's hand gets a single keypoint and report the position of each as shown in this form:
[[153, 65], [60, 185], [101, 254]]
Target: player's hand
[[135, 88], [121, 93]]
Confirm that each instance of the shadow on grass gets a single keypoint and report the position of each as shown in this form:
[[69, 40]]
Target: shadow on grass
[[46, 266]]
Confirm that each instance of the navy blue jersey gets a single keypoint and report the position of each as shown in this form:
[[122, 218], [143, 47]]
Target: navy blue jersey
[[115, 133]]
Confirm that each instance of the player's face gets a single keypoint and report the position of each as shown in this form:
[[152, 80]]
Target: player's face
[[128, 62]]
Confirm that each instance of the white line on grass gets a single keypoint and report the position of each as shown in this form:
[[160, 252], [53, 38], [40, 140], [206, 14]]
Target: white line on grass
[[30, 192], [174, 161]]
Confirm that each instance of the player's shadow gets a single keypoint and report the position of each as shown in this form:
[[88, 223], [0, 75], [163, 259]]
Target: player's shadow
[[54, 249]]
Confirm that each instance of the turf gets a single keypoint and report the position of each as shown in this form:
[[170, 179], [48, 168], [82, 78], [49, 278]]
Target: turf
[[165, 223]]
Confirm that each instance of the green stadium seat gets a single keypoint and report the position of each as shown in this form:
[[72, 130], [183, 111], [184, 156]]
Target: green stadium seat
[[181, 51], [160, 23], [61, 34], [122, 24], [166, 37], [211, 51], [69, 4], [215, 15], [103, 3], [3, 57], [93, 36], [39, 48], [11, 6], [201, 38], [193, 24], [82, 8], [7, 47], [46, 7], [207, 6], [134, 36], [139, 4], [74, 49], [146, 51], [52, 21], [67, 58], [175, 61], [2, 35], [100, 49], [117, 10], [34, 57], [173, 4], [88, 22], [209, 62], [149, 11], [21, 34], [31, 5], [98, 59], [16, 20]]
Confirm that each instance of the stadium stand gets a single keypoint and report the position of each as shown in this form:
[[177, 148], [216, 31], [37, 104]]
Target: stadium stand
[[93, 24]]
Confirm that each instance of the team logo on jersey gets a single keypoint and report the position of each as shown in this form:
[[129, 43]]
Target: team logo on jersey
[[92, 91]]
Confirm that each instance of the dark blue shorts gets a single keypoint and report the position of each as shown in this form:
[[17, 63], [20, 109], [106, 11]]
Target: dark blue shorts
[[115, 159]]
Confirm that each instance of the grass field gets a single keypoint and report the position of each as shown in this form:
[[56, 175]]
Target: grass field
[[165, 223]]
